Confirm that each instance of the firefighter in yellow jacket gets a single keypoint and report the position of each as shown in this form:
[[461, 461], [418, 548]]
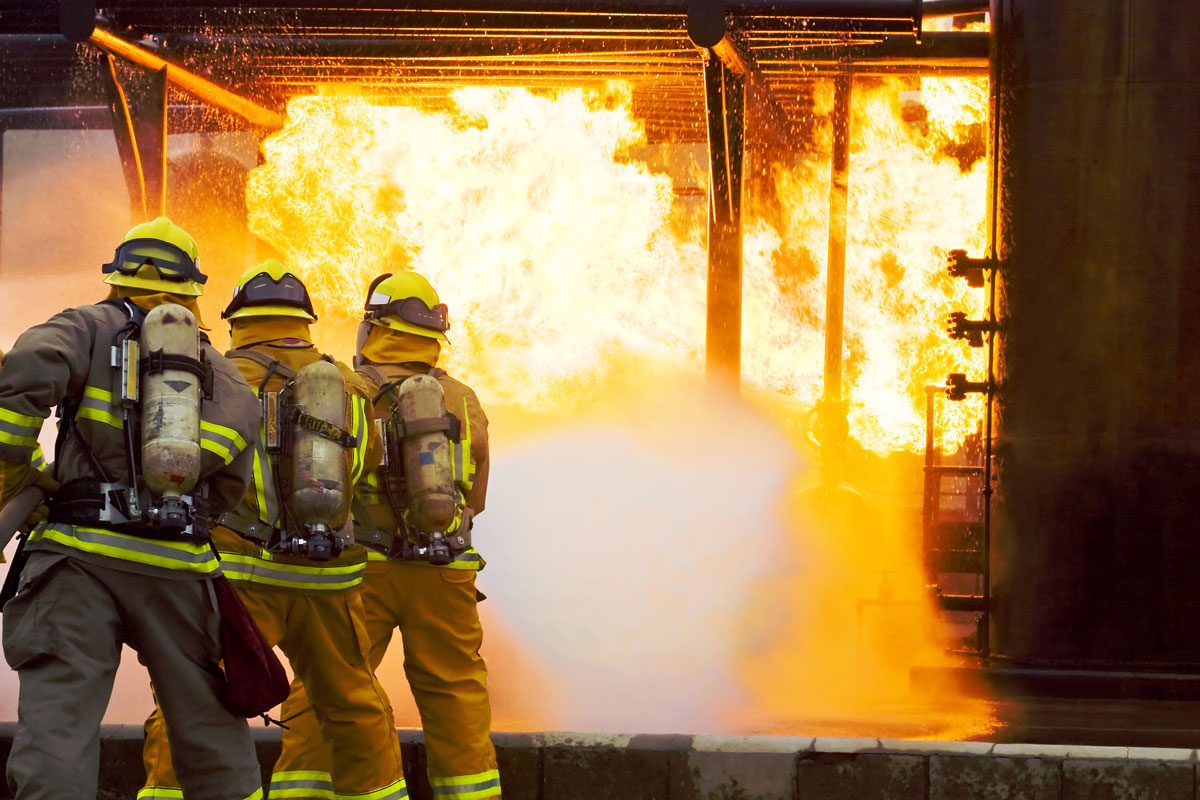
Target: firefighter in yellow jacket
[[422, 585], [298, 581], [123, 560]]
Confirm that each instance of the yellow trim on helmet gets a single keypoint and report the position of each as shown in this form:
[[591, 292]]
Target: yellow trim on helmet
[[397, 324], [271, 311], [181, 288]]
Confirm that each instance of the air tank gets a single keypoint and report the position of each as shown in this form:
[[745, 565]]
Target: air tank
[[170, 404], [428, 471], [1096, 540], [320, 469]]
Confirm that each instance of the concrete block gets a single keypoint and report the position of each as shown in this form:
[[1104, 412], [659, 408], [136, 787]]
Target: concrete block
[[412, 754], [604, 773], [121, 770], [832, 744], [520, 770], [1162, 753], [752, 744], [1032, 750], [993, 778], [736, 773], [861, 776], [1128, 780], [930, 746], [1096, 751]]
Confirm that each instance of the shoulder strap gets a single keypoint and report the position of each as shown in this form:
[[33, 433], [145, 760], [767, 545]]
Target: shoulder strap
[[385, 386], [271, 365], [263, 360]]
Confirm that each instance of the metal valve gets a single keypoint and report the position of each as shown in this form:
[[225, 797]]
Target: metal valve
[[958, 387], [962, 266], [959, 327]]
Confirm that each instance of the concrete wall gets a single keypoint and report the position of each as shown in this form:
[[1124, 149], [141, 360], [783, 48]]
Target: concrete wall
[[581, 766]]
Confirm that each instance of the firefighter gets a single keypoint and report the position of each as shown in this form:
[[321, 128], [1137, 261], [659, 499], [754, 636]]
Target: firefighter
[[433, 606], [121, 560], [300, 583]]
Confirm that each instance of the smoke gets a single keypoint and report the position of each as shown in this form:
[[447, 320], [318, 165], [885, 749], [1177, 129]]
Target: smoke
[[623, 551]]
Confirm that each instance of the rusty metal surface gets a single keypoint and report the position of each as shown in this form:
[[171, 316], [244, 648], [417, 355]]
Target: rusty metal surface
[[1097, 533]]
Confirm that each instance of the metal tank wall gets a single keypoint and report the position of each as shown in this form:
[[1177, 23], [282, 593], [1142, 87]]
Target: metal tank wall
[[1096, 538]]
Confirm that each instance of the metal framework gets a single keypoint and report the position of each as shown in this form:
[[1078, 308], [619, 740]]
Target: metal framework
[[737, 74]]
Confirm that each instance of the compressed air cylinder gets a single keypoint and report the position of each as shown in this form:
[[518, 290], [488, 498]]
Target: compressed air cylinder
[[170, 404], [320, 469], [428, 471]]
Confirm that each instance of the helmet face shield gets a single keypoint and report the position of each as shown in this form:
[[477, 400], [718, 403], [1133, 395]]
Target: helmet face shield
[[171, 263], [264, 290], [413, 311]]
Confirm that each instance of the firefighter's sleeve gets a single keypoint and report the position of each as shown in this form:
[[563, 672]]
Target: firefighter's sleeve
[[48, 363], [368, 451], [236, 408], [480, 457]]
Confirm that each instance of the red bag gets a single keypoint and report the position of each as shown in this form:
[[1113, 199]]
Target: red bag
[[255, 680]]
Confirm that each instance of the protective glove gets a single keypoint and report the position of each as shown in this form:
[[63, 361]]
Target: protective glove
[[16, 476]]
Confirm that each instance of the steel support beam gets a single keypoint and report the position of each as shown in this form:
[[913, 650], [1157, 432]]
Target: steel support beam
[[834, 427], [189, 82], [708, 28], [725, 99], [126, 136]]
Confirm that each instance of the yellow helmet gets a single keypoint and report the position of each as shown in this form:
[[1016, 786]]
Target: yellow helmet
[[270, 290], [406, 302], [157, 255]]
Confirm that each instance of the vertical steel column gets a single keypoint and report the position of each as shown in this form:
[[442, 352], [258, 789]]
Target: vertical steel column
[[140, 127], [833, 413], [150, 129], [123, 132], [725, 99]]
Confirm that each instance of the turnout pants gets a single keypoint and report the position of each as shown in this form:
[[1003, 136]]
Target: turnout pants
[[323, 637], [63, 634], [435, 610]]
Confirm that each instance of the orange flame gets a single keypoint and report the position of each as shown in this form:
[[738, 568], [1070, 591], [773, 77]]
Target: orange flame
[[556, 249], [568, 257]]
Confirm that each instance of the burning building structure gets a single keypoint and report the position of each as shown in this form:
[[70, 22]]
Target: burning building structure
[[1062, 395]]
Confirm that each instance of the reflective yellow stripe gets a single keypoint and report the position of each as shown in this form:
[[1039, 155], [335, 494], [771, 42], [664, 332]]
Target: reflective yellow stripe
[[466, 465], [467, 787], [264, 486], [96, 415], [393, 791], [467, 559], [229, 433], [257, 794], [26, 420], [19, 430], [97, 406], [222, 452], [182, 556], [159, 793], [302, 783], [263, 570], [17, 441], [224, 442], [38, 459], [358, 429]]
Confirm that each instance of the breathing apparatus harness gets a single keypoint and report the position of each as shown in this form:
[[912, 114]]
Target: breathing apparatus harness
[[282, 417], [129, 506], [436, 547]]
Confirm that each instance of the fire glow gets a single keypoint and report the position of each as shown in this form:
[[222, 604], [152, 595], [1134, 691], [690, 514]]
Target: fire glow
[[568, 261]]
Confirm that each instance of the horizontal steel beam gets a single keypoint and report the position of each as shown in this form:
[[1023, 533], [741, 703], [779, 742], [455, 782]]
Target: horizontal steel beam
[[193, 84]]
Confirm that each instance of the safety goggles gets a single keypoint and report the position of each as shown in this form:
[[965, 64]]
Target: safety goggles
[[263, 290], [170, 262], [413, 311]]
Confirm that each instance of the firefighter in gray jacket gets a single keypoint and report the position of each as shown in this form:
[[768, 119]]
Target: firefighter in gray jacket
[[152, 439]]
